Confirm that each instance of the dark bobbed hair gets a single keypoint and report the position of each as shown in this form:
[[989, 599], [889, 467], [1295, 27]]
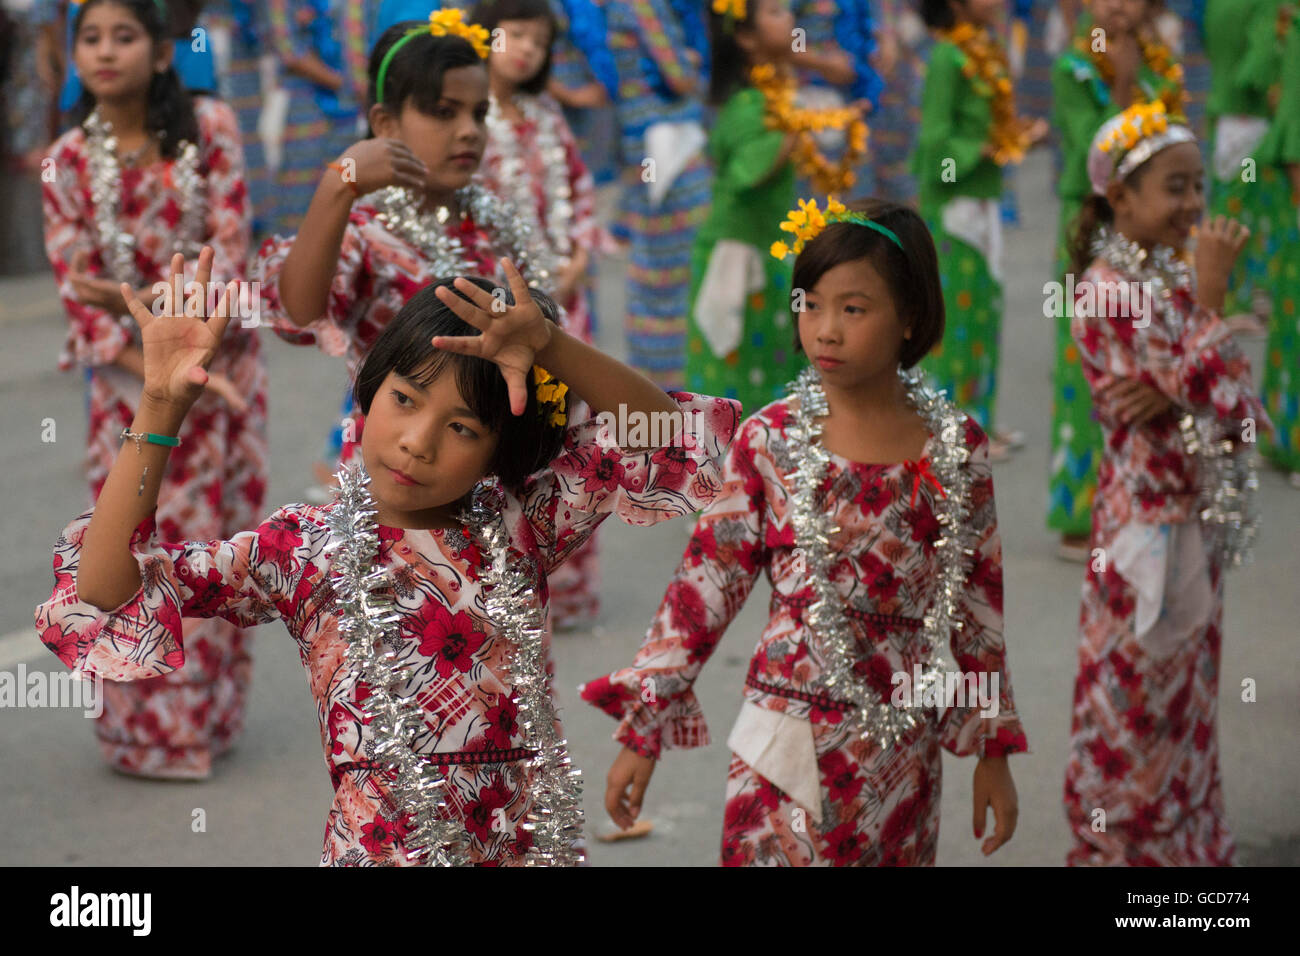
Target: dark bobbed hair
[[912, 273], [938, 15], [526, 443], [417, 69], [489, 14], [729, 71], [169, 109]]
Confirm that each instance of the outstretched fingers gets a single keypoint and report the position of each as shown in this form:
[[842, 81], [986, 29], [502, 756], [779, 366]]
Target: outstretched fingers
[[139, 311], [470, 310]]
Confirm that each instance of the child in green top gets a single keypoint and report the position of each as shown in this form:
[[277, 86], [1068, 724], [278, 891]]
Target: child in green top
[[740, 341], [969, 131], [1102, 72]]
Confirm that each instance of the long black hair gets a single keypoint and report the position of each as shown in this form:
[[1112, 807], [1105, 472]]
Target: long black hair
[[489, 14], [416, 70], [169, 111], [526, 443], [730, 67]]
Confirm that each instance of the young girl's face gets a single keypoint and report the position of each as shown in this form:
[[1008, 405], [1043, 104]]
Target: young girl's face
[[524, 49], [450, 140], [114, 55], [424, 449], [1118, 16], [772, 25], [849, 328], [1168, 200]]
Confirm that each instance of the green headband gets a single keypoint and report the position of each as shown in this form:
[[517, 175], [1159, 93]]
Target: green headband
[[862, 220], [441, 23], [388, 58]]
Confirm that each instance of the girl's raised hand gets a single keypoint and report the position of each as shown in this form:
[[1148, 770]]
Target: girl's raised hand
[[512, 334], [178, 348], [375, 163], [1219, 242]]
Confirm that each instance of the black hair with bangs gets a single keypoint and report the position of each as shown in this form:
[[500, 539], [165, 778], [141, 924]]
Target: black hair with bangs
[[416, 70], [526, 443], [912, 272]]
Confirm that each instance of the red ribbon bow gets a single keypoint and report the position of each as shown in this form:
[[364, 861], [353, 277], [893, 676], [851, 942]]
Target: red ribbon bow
[[923, 473]]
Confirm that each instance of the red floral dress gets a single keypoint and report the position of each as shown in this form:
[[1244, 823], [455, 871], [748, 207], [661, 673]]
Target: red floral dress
[[859, 804], [459, 666], [1142, 785], [216, 480], [575, 588]]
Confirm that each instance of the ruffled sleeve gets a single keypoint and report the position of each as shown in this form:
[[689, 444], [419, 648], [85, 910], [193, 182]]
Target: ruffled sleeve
[[654, 698], [978, 647], [253, 578], [594, 478], [334, 330]]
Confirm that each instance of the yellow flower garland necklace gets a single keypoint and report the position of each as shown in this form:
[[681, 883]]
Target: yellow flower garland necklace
[[1158, 60], [778, 87], [986, 64]]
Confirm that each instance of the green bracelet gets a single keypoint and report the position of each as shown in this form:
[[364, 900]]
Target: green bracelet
[[151, 438]]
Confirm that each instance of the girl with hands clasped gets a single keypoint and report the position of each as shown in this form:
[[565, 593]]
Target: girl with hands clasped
[[150, 169], [471, 487], [1173, 509], [867, 501]]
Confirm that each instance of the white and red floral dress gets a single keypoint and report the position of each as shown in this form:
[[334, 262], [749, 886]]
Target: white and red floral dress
[[575, 589], [459, 667], [822, 795], [1142, 784], [216, 480]]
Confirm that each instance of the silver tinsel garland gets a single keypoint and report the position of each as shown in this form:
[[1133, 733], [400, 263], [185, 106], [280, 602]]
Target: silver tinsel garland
[[514, 172], [813, 530], [366, 623], [509, 233], [1226, 474], [116, 244], [514, 608]]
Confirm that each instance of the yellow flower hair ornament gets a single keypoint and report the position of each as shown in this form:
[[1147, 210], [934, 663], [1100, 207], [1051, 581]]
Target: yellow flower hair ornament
[[442, 23], [550, 396], [735, 9], [807, 221], [1128, 140]]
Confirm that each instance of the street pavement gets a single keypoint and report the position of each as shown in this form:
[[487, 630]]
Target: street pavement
[[266, 802]]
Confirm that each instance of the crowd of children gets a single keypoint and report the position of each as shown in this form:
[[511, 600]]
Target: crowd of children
[[414, 191]]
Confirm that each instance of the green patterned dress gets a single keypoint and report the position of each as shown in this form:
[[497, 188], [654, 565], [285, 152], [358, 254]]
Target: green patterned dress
[[949, 164], [1081, 102], [751, 196], [1280, 148]]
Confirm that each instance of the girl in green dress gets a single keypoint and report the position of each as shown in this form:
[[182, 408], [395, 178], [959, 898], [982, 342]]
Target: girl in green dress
[[1099, 75], [740, 341], [969, 131], [1280, 151]]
